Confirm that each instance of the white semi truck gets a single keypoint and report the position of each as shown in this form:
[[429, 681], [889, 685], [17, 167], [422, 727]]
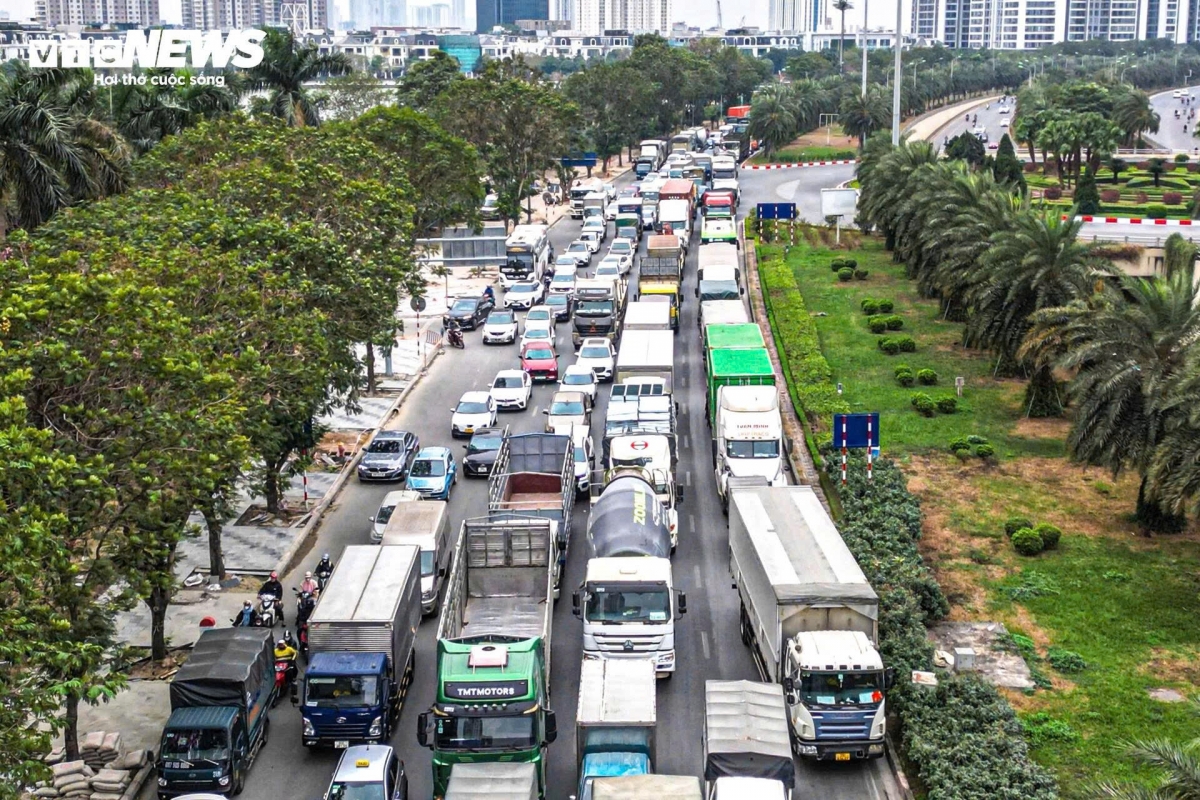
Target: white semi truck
[[747, 437], [810, 619]]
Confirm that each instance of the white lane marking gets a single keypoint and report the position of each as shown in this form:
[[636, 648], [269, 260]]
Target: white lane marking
[[704, 645], [687, 442], [692, 521], [537, 410], [687, 478], [696, 570], [683, 381]]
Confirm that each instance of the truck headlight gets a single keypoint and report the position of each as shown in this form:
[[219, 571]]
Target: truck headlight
[[162, 781], [223, 780], [802, 723], [376, 728], [308, 727], [879, 724]]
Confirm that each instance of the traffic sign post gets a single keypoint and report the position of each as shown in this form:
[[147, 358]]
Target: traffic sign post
[[857, 431]]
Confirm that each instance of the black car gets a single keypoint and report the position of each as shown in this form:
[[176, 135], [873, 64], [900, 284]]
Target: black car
[[482, 451], [389, 456], [470, 312], [561, 305]]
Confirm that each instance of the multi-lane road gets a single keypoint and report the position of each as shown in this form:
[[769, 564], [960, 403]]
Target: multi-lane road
[[708, 643], [1171, 134], [987, 115]]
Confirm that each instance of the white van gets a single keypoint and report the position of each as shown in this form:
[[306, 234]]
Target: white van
[[427, 525]]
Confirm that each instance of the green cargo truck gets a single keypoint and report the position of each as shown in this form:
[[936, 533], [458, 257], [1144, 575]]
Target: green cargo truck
[[742, 336], [733, 367]]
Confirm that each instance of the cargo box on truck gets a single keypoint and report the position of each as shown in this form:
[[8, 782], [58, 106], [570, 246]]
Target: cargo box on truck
[[746, 736], [722, 312], [734, 337], [648, 787], [492, 780], [736, 368], [615, 721]]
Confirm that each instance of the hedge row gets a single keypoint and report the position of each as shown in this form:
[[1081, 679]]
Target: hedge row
[[962, 736], [808, 373]]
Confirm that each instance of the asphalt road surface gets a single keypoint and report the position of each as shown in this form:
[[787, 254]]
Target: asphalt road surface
[[989, 117], [1170, 130], [708, 644], [801, 185]]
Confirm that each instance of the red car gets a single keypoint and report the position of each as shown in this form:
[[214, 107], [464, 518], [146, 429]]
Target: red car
[[539, 360]]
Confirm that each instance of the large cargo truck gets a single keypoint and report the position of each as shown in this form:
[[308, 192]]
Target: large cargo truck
[[747, 438], [648, 787], [493, 652], [810, 619], [735, 367], [533, 483], [722, 312], [362, 646], [492, 780], [615, 721], [746, 741], [646, 354]]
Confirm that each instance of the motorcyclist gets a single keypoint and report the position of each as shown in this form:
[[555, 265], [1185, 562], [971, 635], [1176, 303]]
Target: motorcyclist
[[489, 293], [247, 617], [324, 569], [309, 584], [454, 333], [285, 650], [274, 588]]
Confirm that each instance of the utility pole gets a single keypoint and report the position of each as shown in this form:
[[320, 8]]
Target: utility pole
[[864, 49], [896, 85]]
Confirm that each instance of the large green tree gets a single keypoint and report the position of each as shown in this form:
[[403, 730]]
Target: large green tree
[[862, 116], [427, 79]]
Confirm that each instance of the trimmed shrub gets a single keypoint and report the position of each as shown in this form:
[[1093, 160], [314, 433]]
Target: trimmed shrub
[[984, 451], [947, 405], [1142, 197], [901, 368], [1156, 211], [889, 345], [851, 263], [1110, 195], [975, 438], [1052, 193], [959, 445], [1027, 542], [870, 307], [877, 324], [1181, 158], [907, 344], [1193, 167], [1029, 166], [1050, 534], [924, 404], [927, 377], [894, 322], [905, 378], [1065, 660], [886, 306], [1172, 198], [845, 274], [837, 264], [1014, 524], [861, 274]]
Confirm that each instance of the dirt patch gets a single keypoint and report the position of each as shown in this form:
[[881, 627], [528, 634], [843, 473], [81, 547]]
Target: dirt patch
[[147, 670], [258, 515], [1043, 428], [817, 138], [338, 447], [1173, 667]]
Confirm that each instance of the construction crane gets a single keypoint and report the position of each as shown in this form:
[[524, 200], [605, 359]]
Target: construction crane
[[720, 22]]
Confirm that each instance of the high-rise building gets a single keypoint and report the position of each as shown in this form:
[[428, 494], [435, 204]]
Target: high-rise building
[[924, 18], [782, 16], [490, 13], [52, 13], [393, 13], [594, 17], [441, 15], [1031, 24], [562, 10], [1111, 20], [458, 13]]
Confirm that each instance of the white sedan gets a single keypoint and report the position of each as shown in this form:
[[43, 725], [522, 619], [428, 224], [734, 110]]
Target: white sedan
[[596, 353], [623, 247], [474, 410], [540, 314], [597, 226], [537, 333], [592, 238], [578, 378], [500, 327], [512, 388], [562, 283], [623, 261], [525, 294], [581, 251], [610, 211]]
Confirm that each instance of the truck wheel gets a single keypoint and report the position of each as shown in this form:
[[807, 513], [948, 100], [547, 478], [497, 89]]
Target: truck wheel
[[725, 503], [743, 628]]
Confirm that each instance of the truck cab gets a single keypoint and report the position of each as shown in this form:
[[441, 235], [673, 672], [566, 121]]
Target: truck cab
[[598, 307], [747, 437], [203, 750], [629, 605]]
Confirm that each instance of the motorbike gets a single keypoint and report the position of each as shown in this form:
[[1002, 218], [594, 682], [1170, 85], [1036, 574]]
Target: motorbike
[[305, 603], [267, 615], [302, 635], [286, 672], [455, 338], [322, 578]]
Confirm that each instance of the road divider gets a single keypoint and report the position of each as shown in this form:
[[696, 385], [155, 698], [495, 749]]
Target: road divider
[[802, 164], [1132, 220]]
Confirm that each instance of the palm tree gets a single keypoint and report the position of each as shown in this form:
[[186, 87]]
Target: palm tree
[[771, 122], [861, 116], [1038, 263], [148, 113], [884, 176], [286, 66], [52, 153], [1117, 165], [1134, 115], [1156, 168], [843, 6], [1179, 768], [1127, 346]]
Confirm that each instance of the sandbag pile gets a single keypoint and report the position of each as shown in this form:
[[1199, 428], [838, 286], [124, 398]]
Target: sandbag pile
[[104, 771], [98, 748]]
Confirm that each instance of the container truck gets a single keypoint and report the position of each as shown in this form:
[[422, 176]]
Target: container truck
[[615, 721], [722, 312], [648, 787], [493, 652], [810, 619], [747, 438], [715, 257], [580, 190], [646, 354], [492, 780], [640, 434], [741, 367], [220, 699], [361, 647], [628, 601], [427, 526], [747, 750], [599, 304], [533, 479]]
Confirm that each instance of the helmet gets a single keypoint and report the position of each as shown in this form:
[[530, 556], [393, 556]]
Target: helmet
[[274, 575], [308, 574], [325, 557], [246, 604], [281, 643]]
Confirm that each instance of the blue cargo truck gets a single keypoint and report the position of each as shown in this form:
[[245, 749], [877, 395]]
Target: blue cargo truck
[[219, 703], [361, 640], [615, 722]]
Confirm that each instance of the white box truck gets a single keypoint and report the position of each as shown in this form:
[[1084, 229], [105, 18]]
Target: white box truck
[[810, 619], [722, 312], [648, 787], [747, 437], [747, 749], [646, 354]]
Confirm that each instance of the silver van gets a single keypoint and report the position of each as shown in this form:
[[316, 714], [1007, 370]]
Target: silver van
[[427, 525]]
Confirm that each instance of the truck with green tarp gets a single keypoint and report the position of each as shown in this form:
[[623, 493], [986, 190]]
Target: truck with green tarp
[[735, 367], [493, 650], [744, 336]]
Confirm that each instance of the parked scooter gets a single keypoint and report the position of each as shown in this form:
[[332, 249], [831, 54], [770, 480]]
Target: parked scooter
[[267, 613]]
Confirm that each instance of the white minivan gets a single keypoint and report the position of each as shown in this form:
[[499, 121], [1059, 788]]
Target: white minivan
[[427, 525]]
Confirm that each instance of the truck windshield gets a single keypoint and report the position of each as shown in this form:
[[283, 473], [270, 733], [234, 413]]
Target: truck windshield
[[341, 691], [426, 563], [753, 449], [469, 733], [356, 791], [841, 688], [724, 173], [608, 605], [593, 308], [207, 744]]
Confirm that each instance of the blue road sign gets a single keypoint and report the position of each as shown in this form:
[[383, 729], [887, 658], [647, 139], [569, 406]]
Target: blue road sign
[[588, 159], [856, 431], [776, 210]]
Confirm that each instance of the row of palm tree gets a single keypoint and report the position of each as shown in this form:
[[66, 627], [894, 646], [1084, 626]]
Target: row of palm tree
[[1048, 305]]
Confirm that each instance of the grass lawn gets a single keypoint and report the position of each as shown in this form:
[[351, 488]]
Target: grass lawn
[[1124, 603], [813, 146]]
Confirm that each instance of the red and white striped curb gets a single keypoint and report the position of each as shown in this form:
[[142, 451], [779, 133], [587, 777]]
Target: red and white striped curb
[[801, 164], [1134, 220]]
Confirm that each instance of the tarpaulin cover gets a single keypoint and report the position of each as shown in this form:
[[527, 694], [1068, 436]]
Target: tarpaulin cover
[[628, 520], [746, 732], [227, 667]]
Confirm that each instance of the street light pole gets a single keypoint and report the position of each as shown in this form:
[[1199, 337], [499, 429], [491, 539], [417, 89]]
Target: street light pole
[[864, 49], [896, 86]]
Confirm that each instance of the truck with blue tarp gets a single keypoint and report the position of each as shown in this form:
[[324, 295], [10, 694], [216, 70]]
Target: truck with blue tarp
[[615, 723], [220, 699], [361, 640]]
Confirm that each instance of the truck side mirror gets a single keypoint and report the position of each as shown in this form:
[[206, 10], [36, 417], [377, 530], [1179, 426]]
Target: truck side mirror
[[551, 727], [546, 411], [889, 678], [576, 605], [789, 685], [423, 725], [682, 603]]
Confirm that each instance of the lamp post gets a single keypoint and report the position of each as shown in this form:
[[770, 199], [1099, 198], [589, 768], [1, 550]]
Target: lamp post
[[896, 86], [864, 49]]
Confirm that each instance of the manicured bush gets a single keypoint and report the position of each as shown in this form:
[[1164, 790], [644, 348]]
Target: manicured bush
[[975, 439], [861, 274], [959, 445], [984, 451], [851, 263], [1181, 158], [889, 345], [1172, 198], [1143, 165], [907, 344], [1050, 534], [1193, 167], [1110, 195], [924, 404], [1014, 524], [886, 306], [870, 307], [1052, 193], [1027, 542], [947, 404], [927, 377], [1156, 211], [1142, 198], [837, 264], [894, 322], [1163, 183], [905, 378], [877, 324], [1029, 166], [845, 274]]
